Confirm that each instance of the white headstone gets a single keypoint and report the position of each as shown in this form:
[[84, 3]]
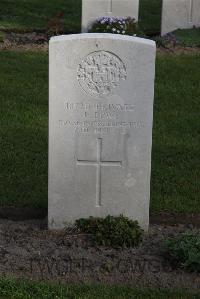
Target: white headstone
[[100, 127], [180, 14], [93, 9]]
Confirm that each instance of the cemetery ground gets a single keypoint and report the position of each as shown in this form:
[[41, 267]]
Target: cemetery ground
[[43, 17], [27, 249], [34, 15]]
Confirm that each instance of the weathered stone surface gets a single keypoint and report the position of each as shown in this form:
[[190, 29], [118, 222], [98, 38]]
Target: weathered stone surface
[[93, 9], [180, 14], [100, 127]]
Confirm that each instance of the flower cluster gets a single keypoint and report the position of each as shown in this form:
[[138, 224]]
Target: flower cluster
[[115, 25]]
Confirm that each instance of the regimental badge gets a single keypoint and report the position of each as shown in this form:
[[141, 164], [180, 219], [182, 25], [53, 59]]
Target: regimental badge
[[100, 72]]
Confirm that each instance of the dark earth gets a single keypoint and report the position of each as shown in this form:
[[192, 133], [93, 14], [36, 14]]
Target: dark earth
[[14, 213], [38, 41], [29, 250]]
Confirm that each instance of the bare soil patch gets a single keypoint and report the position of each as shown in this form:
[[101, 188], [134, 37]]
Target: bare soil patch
[[29, 250], [38, 41], [161, 218], [13, 46], [166, 218], [30, 41], [178, 50]]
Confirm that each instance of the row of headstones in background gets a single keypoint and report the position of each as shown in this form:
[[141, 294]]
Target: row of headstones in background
[[100, 127], [93, 9], [176, 14], [180, 14]]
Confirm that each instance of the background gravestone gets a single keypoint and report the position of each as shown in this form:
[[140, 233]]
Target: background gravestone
[[100, 127], [180, 14], [93, 9]]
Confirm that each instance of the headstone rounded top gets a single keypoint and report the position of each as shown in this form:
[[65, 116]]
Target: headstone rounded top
[[84, 36]]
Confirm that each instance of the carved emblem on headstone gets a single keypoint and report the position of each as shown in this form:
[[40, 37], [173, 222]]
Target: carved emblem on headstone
[[100, 72]]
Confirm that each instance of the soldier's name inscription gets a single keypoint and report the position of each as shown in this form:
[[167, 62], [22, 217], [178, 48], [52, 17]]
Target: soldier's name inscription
[[99, 106], [100, 117], [99, 111]]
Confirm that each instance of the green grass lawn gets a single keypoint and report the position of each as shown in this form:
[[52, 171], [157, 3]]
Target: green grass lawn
[[34, 14], [24, 129], [175, 159], [188, 37], [150, 16], [27, 290]]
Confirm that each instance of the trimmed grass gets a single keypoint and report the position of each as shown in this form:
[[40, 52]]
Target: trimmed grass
[[30, 290], [175, 159], [34, 14], [150, 16], [24, 126], [24, 15], [188, 37]]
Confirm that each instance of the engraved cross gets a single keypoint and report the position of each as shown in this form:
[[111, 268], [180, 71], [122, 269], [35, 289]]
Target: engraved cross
[[99, 163], [191, 11], [110, 6]]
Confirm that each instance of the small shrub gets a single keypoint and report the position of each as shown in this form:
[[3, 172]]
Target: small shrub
[[184, 251], [160, 42], [55, 25], [166, 40], [115, 25], [2, 36], [111, 231]]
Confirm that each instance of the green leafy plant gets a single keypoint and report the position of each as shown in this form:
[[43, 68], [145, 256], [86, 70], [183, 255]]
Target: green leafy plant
[[127, 26], [184, 251], [111, 231], [55, 25], [161, 42], [2, 36], [169, 40]]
